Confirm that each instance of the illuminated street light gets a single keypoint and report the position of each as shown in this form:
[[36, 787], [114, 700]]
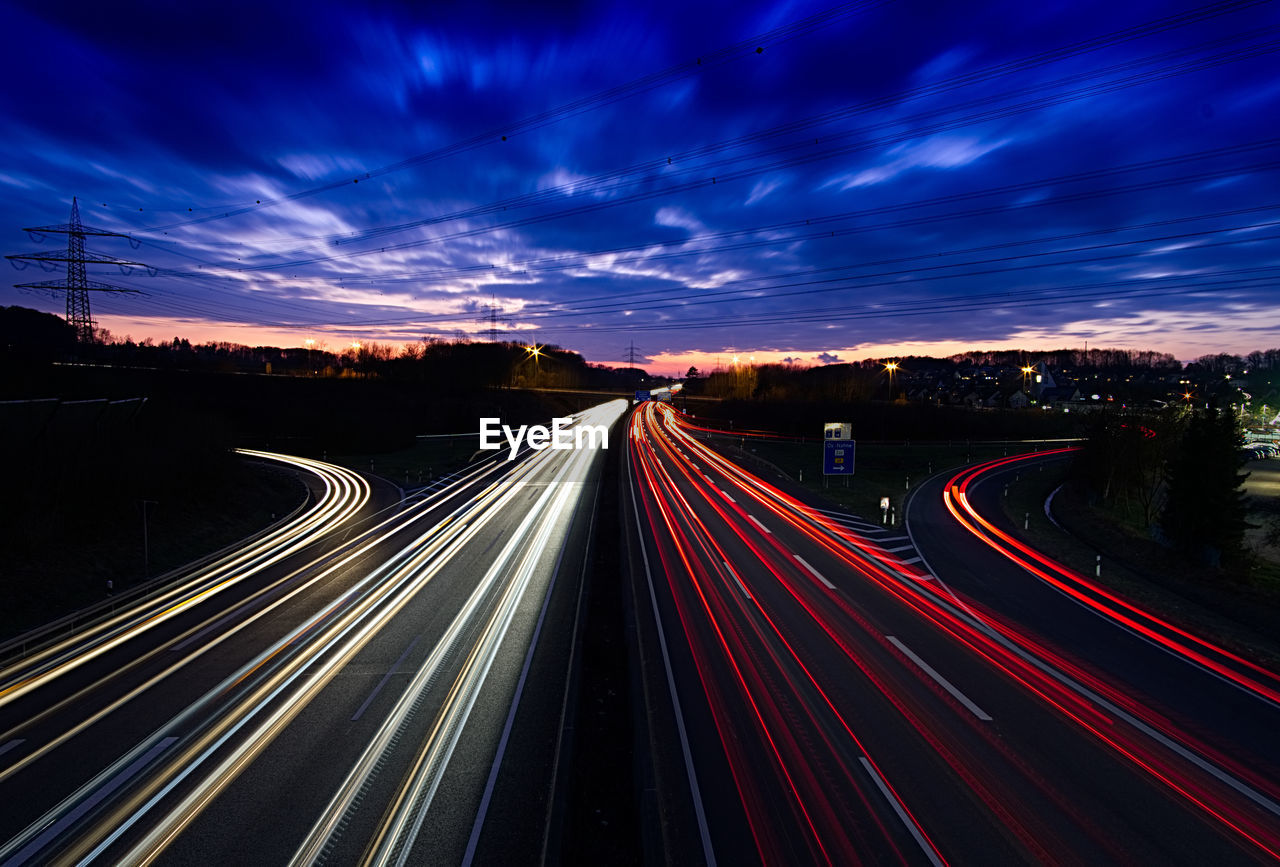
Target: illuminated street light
[[535, 351], [891, 366]]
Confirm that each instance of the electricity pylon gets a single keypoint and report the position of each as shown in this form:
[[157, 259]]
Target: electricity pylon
[[76, 284], [490, 315]]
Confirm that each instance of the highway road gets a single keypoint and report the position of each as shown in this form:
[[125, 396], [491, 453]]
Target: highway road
[[818, 693], [388, 681], [341, 697]]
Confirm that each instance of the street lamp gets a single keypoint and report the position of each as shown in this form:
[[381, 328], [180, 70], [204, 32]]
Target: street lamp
[[535, 351], [891, 366]]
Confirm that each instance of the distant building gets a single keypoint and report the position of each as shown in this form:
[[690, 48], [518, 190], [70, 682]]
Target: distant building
[[1059, 395], [1041, 381]]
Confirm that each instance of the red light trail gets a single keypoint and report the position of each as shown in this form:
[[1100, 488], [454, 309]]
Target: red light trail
[[790, 661]]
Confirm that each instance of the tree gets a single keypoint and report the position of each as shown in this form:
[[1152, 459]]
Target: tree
[[692, 374], [30, 333], [1204, 513]]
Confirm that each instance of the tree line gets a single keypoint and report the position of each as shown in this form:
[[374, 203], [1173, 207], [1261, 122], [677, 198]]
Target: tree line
[[456, 365], [1177, 473]]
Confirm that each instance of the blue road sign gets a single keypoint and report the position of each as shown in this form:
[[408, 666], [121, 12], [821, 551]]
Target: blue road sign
[[837, 457], [642, 395]]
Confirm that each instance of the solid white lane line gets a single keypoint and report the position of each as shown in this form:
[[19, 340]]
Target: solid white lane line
[[815, 572], [762, 527], [836, 513], [708, 853], [85, 806], [960, 609], [856, 524], [741, 586], [335, 506], [941, 681], [468, 857], [902, 814], [16, 742]]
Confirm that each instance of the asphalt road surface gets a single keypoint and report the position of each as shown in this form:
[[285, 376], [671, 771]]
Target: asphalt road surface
[[388, 681], [338, 697], [818, 692]]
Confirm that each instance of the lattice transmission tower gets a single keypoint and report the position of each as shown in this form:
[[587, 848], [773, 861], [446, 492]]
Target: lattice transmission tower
[[491, 315], [76, 284]]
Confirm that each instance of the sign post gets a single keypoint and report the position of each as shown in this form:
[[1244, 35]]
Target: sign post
[[838, 450]]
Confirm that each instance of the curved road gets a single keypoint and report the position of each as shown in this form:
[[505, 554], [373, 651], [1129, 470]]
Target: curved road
[[817, 697], [344, 703]]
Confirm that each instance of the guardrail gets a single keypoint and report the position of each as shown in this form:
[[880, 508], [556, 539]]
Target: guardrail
[[40, 637]]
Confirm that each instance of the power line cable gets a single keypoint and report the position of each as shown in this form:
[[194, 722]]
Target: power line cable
[[591, 207]]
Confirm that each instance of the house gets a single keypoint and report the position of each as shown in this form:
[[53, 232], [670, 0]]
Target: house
[[1060, 395], [1041, 381]]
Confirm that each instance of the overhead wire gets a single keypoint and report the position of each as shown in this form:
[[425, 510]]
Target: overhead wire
[[1195, 65], [1145, 29], [900, 278], [753, 171], [645, 83]]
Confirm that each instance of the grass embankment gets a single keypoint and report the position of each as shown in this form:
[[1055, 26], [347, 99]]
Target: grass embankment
[[430, 457], [882, 469], [1241, 614], [69, 569], [420, 464]]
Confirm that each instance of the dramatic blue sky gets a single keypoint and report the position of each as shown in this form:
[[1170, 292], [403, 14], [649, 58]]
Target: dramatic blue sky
[[790, 180]]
